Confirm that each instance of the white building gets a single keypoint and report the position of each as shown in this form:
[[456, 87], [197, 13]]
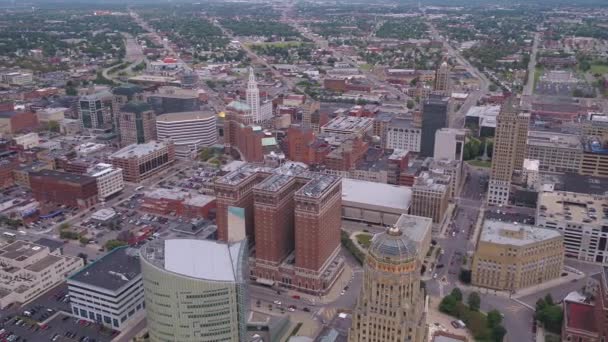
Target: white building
[[51, 114], [18, 78], [402, 135], [374, 203], [109, 180], [260, 111], [581, 219], [449, 143], [27, 141], [110, 290], [189, 131], [29, 269], [530, 173]]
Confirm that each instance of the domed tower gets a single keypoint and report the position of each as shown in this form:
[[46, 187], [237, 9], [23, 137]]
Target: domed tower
[[390, 307]]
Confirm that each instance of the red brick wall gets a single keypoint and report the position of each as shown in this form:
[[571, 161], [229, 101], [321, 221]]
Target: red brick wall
[[24, 121]]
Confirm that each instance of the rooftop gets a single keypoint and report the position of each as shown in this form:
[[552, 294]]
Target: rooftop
[[63, 176], [185, 116], [274, 182], [349, 124], [507, 233], [555, 140], [399, 122], [112, 271], [392, 246], [580, 316], [183, 256], [20, 250], [576, 208], [139, 150], [415, 227], [377, 195], [318, 185], [100, 170], [483, 111], [576, 183], [430, 181]]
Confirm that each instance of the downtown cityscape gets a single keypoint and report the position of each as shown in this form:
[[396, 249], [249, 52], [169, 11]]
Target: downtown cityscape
[[304, 171]]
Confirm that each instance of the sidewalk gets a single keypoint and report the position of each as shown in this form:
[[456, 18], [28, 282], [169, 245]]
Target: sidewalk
[[334, 293]]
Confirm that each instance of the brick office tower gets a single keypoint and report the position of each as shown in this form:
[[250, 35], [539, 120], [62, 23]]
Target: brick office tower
[[318, 217], [274, 223], [236, 190]]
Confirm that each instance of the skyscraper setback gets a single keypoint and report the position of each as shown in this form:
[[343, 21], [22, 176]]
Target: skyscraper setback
[[509, 150]]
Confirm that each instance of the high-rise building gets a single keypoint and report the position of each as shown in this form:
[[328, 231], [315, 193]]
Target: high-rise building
[[260, 111], [449, 143], [95, 110], [308, 110], [174, 100], [136, 123], [402, 134], [195, 290], [141, 161], [509, 150], [390, 307], [189, 131], [514, 256], [430, 196], [442, 79], [434, 118]]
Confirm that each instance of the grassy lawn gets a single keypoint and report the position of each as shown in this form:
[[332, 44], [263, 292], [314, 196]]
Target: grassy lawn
[[598, 69], [365, 67], [480, 163], [538, 72], [364, 240]]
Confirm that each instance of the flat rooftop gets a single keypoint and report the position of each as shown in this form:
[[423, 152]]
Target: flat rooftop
[[515, 234], [63, 176], [349, 124], [399, 122], [415, 227], [112, 271], [483, 111], [20, 250], [318, 185], [139, 150], [185, 116], [378, 195], [573, 207], [183, 257], [274, 182], [555, 140]]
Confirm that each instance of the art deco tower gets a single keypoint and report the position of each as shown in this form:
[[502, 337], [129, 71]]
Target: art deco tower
[[253, 96], [442, 79], [390, 307]]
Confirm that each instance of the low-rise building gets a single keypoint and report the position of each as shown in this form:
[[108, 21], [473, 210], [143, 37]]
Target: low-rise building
[[141, 161], [27, 141], [109, 180], [419, 230], [430, 197], [374, 203], [29, 269], [179, 203], [402, 134], [595, 158], [555, 152], [512, 256], [348, 126], [581, 218], [109, 291], [64, 188]]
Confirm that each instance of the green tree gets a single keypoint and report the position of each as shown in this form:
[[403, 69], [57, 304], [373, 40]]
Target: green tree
[[494, 318], [111, 244], [410, 104], [53, 126], [493, 87], [498, 333], [477, 324], [448, 305], [549, 299], [457, 294], [465, 276], [64, 226], [474, 301], [83, 240]]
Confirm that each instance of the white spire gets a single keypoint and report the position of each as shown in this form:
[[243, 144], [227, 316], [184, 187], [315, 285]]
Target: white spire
[[253, 96]]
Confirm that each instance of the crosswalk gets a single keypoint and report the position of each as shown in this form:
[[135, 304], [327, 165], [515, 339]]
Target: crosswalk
[[327, 313]]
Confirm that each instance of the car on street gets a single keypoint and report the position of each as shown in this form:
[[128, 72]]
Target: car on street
[[277, 302]]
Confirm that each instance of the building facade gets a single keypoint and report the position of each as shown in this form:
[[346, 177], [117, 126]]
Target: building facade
[[136, 123], [189, 131], [109, 180], [109, 291], [434, 118], [509, 150], [555, 152], [95, 110], [401, 134], [190, 301], [449, 144], [430, 198], [139, 162], [512, 256], [390, 307], [64, 188], [442, 79]]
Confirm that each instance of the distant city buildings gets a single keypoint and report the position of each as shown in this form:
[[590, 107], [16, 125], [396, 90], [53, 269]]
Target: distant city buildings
[[136, 123], [442, 79], [509, 151], [109, 180], [192, 301], [260, 111], [95, 110], [391, 303], [64, 188], [513, 256]]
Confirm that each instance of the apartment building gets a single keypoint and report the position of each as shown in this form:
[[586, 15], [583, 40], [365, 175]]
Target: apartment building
[[142, 161], [109, 180], [30, 269], [555, 152], [511, 256], [109, 291], [581, 218]]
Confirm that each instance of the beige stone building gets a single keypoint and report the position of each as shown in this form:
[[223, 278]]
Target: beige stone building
[[29, 269], [512, 256], [509, 150], [430, 195], [555, 152], [390, 307]]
